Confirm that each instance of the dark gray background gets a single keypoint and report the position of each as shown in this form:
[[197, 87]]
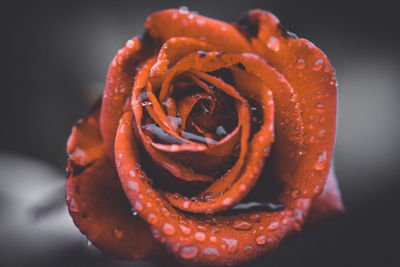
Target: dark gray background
[[54, 62]]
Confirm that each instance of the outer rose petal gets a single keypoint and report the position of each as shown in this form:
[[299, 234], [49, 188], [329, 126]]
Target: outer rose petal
[[309, 72], [169, 23], [96, 200], [326, 205], [120, 77]]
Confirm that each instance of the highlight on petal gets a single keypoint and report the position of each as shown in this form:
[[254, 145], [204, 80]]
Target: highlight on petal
[[95, 198]]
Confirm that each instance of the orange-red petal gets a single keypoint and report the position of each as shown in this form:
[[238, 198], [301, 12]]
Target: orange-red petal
[[95, 198]]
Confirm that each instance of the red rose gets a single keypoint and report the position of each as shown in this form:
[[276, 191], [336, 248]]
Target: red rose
[[212, 140]]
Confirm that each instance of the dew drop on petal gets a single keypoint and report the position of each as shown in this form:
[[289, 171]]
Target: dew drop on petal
[[189, 252], [185, 230], [317, 65], [248, 249], [73, 206], [134, 212], [273, 226], [317, 189], [242, 187], [241, 225], [200, 236], [152, 218], [231, 244], [300, 64], [183, 9], [186, 204], [213, 239], [255, 217], [138, 206], [321, 161], [211, 253], [168, 229], [273, 43], [227, 201], [132, 185], [261, 239]]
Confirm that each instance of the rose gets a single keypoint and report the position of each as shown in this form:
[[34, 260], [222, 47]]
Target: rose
[[221, 136]]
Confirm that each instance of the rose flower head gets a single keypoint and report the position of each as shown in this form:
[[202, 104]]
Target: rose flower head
[[212, 142]]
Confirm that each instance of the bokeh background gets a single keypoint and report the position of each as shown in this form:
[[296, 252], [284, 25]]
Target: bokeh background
[[54, 61]]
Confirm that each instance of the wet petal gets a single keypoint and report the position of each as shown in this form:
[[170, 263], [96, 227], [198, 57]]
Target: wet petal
[[309, 72], [204, 240], [170, 23], [96, 200]]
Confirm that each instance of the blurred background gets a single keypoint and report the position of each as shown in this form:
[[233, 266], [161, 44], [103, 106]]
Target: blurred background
[[56, 59]]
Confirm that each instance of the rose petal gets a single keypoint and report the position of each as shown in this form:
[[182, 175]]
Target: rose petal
[[95, 198], [171, 23], [328, 204], [120, 77], [311, 75], [217, 240]]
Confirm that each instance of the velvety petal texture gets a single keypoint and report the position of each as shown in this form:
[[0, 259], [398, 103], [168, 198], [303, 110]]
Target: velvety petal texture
[[212, 142]]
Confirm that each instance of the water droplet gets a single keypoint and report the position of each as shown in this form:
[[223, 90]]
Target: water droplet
[[319, 108], [273, 43], [152, 218], [322, 132], [273, 226], [189, 252], [88, 242], [227, 201], [185, 230], [317, 65], [300, 64], [242, 187], [73, 206], [241, 225], [186, 204], [117, 233], [138, 206], [200, 236], [261, 240], [248, 249], [213, 239], [255, 217], [130, 44], [326, 69], [231, 244], [168, 229], [211, 253], [165, 211], [317, 189], [132, 185], [134, 212], [184, 10], [321, 162], [201, 21]]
